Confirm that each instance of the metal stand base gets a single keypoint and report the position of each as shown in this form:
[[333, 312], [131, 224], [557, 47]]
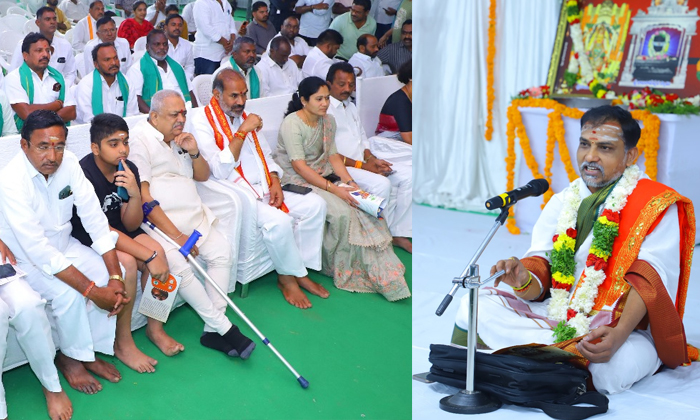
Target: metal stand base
[[475, 402]]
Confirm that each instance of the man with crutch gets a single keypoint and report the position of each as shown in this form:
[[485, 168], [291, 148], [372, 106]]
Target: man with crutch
[[169, 162]]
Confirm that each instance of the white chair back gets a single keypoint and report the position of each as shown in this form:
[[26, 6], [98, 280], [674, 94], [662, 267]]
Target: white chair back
[[140, 44], [69, 36], [271, 109], [80, 64], [371, 95], [30, 26], [201, 87], [8, 42], [16, 10], [34, 5], [118, 20], [14, 22], [4, 5]]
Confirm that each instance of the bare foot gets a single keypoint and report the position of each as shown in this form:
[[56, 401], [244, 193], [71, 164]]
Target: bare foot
[[104, 370], [131, 356], [60, 407], [165, 343], [76, 375], [313, 287], [404, 243], [292, 293]]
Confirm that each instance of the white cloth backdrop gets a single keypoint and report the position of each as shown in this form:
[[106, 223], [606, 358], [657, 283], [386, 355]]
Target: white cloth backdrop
[[454, 166]]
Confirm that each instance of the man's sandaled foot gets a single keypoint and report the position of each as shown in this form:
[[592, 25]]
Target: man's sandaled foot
[[292, 293], [104, 370], [58, 404], [403, 243], [313, 287], [131, 356], [77, 376], [242, 345], [163, 341]]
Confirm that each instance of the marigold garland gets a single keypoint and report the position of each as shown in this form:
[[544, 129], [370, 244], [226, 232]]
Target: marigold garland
[[648, 143], [490, 58]]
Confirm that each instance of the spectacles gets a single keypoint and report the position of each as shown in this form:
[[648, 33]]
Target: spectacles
[[45, 148]]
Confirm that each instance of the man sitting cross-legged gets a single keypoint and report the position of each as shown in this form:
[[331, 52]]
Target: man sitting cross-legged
[[38, 189], [109, 137], [169, 162], [244, 159]]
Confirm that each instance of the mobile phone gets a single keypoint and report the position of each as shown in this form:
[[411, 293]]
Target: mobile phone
[[6, 270], [333, 178], [296, 189], [121, 191]]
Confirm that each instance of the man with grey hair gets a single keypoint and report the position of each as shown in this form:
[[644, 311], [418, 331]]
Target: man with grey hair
[[244, 159], [156, 71], [242, 60], [169, 162]]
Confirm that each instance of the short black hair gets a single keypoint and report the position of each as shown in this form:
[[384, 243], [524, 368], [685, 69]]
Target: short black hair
[[172, 7], [330, 35], [104, 125], [92, 4], [137, 4], [608, 113], [257, 5], [363, 40], [42, 10], [173, 16], [406, 22], [33, 38], [109, 14], [405, 73], [39, 120], [103, 21], [153, 33], [97, 47], [366, 4], [343, 66], [278, 41]]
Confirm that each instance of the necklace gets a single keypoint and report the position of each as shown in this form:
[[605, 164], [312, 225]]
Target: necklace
[[305, 119]]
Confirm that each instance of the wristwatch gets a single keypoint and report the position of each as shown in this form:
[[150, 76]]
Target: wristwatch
[[195, 156], [117, 277]]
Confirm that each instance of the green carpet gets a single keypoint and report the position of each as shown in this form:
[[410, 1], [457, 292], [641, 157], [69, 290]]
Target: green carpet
[[354, 349]]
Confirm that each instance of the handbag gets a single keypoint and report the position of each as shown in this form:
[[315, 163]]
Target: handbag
[[555, 388]]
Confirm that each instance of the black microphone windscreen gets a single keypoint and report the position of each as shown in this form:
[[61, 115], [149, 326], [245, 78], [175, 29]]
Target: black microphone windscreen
[[539, 186]]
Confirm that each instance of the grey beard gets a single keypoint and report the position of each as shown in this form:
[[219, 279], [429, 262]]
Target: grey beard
[[591, 183]]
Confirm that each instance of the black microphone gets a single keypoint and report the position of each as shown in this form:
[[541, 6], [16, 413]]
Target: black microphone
[[533, 188]]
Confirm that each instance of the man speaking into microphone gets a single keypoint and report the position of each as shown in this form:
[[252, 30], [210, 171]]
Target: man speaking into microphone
[[607, 270]]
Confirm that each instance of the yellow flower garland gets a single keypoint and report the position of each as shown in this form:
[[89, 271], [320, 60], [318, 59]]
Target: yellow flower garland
[[490, 57], [648, 143]]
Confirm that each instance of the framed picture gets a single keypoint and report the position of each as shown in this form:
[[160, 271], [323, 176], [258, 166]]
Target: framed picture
[[626, 45]]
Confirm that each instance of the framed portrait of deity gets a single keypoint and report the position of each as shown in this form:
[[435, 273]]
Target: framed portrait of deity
[[622, 45]]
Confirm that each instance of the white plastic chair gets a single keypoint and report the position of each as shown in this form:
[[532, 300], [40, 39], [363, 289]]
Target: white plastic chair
[[140, 44], [14, 22], [4, 5], [118, 20], [80, 64], [201, 87], [371, 95], [68, 35], [30, 26], [16, 10], [8, 42]]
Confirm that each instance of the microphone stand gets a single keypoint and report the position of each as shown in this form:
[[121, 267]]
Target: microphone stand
[[469, 400]]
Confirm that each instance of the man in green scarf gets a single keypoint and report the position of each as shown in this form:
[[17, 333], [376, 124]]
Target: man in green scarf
[[243, 60], [156, 71], [36, 85]]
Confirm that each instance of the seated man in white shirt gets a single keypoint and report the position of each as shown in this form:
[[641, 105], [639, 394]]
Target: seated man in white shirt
[[156, 71], [105, 88], [22, 309], [216, 31], [36, 85], [169, 162], [179, 49], [290, 30], [107, 32], [365, 59], [320, 58], [62, 55], [238, 159], [242, 60], [7, 116], [392, 181], [85, 30], [155, 13], [38, 190], [74, 9], [279, 74]]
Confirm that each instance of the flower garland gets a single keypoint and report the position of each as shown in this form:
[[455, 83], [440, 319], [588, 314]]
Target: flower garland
[[490, 58], [659, 103], [573, 313]]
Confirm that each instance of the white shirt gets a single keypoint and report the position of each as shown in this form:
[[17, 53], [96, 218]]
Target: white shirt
[[222, 163], [300, 46], [73, 11], [35, 220], [183, 53], [8, 116], [81, 33], [316, 64], [135, 77], [213, 23], [62, 59], [316, 21], [123, 52], [188, 15], [226, 64], [276, 80], [110, 102], [371, 67], [151, 11], [350, 138], [380, 15], [43, 90]]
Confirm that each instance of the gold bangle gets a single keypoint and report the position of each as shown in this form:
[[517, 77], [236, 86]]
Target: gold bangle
[[524, 286], [358, 164], [116, 277], [344, 159], [328, 185], [275, 175]]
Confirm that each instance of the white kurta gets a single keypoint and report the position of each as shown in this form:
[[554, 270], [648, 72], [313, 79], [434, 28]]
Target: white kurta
[[316, 64], [35, 224], [82, 34], [276, 80], [135, 77], [226, 64], [294, 239], [112, 99], [300, 47], [371, 67], [502, 326], [43, 90], [62, 59], [183, 54], [74, 11], [123, 52], [213, 22]]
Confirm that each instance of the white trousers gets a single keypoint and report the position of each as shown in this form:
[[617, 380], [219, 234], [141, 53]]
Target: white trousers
[[215, 251], [23, 309], [400, 214], [83, 328]]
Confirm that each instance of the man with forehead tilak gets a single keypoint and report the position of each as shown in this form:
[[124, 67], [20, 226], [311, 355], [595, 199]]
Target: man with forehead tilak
[[607, 271]]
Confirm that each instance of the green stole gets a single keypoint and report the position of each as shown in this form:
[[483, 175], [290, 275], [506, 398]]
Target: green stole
[[588, 213], [152, 81], [27, 82], [97, 104], [254, 81]]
